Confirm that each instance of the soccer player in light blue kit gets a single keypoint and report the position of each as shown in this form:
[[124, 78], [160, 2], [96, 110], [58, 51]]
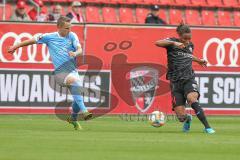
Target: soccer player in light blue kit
[[63, 47]]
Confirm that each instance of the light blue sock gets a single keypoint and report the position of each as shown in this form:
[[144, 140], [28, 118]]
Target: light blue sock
[[78, 104], [75, 110]]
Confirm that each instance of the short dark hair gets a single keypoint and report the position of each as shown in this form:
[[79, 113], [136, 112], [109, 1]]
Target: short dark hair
[[183, 28], [62, 20]]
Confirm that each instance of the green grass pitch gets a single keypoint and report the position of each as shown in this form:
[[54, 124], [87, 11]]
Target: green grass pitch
[[35, 137]]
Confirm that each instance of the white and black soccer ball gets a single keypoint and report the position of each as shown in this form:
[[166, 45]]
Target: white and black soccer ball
[[157, 119]]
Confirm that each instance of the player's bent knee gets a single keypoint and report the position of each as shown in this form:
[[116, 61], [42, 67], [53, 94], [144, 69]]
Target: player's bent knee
[[192, 100], [192, 97]]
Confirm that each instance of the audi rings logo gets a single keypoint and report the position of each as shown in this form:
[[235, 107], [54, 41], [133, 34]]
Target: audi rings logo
[[224, 57], [32, 51]]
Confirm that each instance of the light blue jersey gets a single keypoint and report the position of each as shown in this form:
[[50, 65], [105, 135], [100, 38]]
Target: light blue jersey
[[59, 47]]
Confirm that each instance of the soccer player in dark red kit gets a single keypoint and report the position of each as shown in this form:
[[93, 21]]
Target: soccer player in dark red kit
[[182, 77]]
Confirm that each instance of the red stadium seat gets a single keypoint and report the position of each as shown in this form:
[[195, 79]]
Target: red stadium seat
[[126, 15], [193, 17], [112, 1], [208, 17], [175, 16], [109, 15], [8, 12], [108, 1], [94, 1], [61, 1], [199, 2], [92, 14], [116, 1], [167, 2], [230, 3], [224, 18], [141, 14], [183, 2], [135, 1], [50, 0], [216, 3], [151, 1], [236, 18], [163, 15], [91, 1], [1, 13]]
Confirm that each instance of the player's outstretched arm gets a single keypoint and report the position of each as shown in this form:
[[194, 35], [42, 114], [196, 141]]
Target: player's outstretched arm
[[12, 49], [165, 43], [201, 62]]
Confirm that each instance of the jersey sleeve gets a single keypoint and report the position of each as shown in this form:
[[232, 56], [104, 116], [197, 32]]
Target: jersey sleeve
[[42, 38], [75, 41], [170, 39]]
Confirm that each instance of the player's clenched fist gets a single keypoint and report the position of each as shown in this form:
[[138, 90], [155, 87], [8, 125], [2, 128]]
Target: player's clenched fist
[[72, 54], [203, 62], [11, 49]]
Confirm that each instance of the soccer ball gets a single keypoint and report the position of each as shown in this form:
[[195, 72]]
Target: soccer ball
[[157, 119]]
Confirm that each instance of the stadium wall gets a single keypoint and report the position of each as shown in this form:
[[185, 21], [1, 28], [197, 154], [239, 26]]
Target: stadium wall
[[122, 70]]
